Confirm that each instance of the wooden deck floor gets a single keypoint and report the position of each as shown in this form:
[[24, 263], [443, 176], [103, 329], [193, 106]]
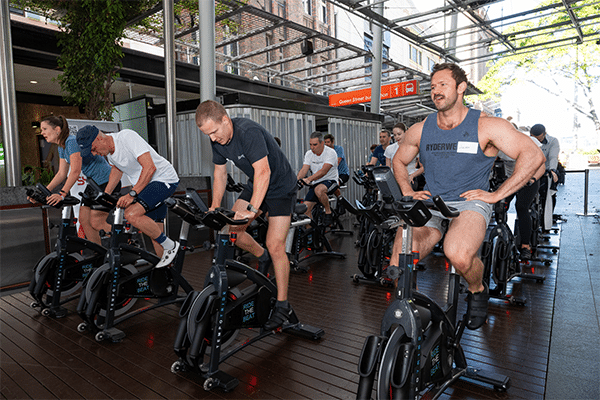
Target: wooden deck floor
[[44, 358]]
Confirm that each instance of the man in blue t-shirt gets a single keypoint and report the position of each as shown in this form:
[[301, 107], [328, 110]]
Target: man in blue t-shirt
[[378, 156], [343, 170], [457, 147], [271, 188]]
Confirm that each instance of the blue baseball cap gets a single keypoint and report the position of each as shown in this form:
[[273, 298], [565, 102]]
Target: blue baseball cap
[[85, 138]]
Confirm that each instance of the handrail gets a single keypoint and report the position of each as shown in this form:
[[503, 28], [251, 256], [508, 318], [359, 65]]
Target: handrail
[[585, 188]]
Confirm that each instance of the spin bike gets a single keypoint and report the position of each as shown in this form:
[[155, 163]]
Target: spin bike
[[60, 274], [418, 350], [113, 288], [211, 319], [375, 247], [500, 257], [311, 239]]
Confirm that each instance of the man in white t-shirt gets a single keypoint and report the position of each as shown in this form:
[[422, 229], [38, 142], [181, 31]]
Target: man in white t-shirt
[[321, 162], [154, 180]]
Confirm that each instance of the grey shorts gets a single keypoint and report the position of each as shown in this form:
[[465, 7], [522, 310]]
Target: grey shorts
[[483, 208]]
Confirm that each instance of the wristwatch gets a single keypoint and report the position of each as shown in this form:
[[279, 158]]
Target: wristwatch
[[133, 193], [251, 208]]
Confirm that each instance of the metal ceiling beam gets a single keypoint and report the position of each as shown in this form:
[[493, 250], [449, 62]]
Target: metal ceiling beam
[[270, 48], [406, 34], [250, 34], [473, 16], [574, 20], [296, 57], [311, 66]]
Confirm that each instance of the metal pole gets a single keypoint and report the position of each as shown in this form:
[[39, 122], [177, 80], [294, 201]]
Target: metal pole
[[171, 95], [208, 85], [377, 56], [8, 101], [585, 191]]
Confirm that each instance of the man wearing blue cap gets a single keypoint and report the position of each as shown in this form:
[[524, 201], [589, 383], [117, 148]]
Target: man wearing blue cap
[[154, 179]]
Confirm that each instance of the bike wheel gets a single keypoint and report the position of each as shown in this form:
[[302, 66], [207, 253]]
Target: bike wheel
[[397, 368], [69, 286], [122, 303]]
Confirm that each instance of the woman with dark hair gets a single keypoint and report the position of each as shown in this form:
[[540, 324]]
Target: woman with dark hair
[[55, 129]]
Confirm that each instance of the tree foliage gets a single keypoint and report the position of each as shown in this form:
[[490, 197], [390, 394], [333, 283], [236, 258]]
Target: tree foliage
[[565, 59], [90, 39]]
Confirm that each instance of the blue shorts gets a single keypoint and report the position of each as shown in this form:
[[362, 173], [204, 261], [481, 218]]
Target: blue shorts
[[311, 196], [483, 208], [152, 198]]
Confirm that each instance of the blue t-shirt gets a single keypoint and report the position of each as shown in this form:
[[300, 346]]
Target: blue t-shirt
[[251, 142], [95, 167], [453, 159], [342, 165], [379, 152]]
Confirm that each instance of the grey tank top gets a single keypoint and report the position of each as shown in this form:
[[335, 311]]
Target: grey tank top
[[453, 159]]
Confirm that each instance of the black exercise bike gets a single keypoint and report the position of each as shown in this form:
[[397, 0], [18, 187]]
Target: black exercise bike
[[234, 297], [500, 257], [128, 275], [418, 350], [58, 276], [308, 238]]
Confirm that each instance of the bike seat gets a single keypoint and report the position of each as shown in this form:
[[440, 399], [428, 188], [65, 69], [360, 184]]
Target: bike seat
[[332, 189], [300, 208]]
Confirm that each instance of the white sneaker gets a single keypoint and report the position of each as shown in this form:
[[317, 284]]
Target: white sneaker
[[168, 256]]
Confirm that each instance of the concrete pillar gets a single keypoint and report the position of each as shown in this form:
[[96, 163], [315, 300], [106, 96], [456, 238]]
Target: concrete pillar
[[171, 94], [208, 76], [377, 61], [8, 102]]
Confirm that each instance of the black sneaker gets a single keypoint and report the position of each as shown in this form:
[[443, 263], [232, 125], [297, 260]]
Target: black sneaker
[[525, 254], [279, 315], [477, 305], [327, 219]]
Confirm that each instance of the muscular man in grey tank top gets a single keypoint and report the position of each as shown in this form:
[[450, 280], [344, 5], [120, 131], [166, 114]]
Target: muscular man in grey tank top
[[457, 147]]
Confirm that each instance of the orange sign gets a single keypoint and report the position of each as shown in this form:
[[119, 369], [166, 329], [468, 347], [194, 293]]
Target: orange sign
[[405, 88]]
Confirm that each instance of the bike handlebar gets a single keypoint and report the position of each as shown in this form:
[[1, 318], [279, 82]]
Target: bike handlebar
[[190, 211], [444, 209], [41, 193]]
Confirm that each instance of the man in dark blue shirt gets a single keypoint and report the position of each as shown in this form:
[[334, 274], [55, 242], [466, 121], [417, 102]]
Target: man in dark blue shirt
[[378, 156], [271, 188]]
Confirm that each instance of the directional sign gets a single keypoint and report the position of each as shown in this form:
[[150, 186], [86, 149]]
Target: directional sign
[[400, 89]]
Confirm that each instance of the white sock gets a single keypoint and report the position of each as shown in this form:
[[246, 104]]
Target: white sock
[[168, 244]]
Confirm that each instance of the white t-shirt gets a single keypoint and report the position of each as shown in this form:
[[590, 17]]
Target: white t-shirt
[[128, 147], [328, 156], [391, 150]]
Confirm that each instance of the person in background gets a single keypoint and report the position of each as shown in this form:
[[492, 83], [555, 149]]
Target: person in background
[[343, 170], [378, 156], [551, 149], [154, 180], [525, 197], [72, 163], [413, 170], [321, 162]]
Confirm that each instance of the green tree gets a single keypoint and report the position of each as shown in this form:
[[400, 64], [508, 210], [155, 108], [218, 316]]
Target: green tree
[[89, 37], [90, 40], [561, 59]]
